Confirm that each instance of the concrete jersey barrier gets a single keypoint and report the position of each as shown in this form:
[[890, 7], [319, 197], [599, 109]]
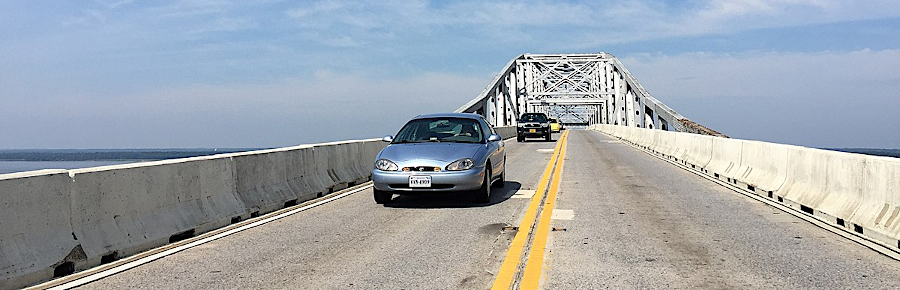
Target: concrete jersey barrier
[[124, 209], [36, 234], [858, 193], [56, 222], [506, 132]]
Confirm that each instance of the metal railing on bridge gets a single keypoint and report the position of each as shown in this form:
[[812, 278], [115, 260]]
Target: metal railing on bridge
[[579, 89]]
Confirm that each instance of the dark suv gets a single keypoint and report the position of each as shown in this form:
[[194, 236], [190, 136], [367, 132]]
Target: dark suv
[[533, 125]]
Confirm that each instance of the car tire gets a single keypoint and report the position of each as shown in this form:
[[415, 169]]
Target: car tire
[[548, 137], [483, 194], [382, 197], [520, 138]]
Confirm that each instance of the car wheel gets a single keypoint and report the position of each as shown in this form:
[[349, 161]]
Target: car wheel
[[382, 197], [483, 194], [520, 138], [548, 137]]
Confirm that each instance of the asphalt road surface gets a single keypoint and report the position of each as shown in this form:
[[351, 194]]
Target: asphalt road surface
[[624, 220]]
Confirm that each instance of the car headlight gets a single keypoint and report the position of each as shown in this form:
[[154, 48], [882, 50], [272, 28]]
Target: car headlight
[[545, 124], [520, 125], [462, 164], [386, 165]]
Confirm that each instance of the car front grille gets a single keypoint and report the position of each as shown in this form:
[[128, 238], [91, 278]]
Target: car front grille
[[422, 168]]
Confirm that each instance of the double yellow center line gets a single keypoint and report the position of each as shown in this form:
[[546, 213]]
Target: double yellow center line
[[531, 274]]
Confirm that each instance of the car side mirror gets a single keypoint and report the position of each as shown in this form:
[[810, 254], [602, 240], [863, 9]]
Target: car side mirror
[[494, 138], [388, 139]]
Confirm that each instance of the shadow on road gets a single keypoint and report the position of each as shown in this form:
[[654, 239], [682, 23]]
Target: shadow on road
[[463, 199], [554, 137]]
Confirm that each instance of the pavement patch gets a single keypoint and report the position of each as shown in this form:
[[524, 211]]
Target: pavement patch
[[523, 193], [563, 214]]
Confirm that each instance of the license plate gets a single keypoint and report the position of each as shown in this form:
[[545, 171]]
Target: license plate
[[420, 181], [532, 130]]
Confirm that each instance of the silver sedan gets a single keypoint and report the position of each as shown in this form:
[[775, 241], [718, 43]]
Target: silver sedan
[[441, 152]]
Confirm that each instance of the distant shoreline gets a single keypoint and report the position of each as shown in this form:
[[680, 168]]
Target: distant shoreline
[[110, 154], [870, 151]]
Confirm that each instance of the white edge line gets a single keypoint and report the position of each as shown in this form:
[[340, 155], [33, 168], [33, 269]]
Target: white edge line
[[129, 265], [863, 241]]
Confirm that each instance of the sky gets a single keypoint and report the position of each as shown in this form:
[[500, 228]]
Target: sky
[[271, 73]]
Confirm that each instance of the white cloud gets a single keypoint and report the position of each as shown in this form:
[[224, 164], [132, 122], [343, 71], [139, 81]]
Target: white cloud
[[749, 73], [330, 106], [824, 99], [96, 14], [713, 17], [723, 9], [88, 16], [225, 24], [342, 41], [153, 65], [592, 24], [318, 7], [114, 4], [557, 24]]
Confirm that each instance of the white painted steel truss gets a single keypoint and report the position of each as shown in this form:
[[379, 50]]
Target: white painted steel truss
[[579, 89]]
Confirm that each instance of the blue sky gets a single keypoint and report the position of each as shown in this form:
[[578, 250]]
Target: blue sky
[[266, 73]]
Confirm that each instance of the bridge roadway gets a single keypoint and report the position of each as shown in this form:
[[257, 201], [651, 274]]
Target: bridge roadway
[[630, 220]]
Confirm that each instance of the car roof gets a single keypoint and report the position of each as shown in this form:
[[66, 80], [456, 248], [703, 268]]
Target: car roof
[[449, 115]]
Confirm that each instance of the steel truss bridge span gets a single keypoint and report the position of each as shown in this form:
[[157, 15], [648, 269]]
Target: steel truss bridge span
[[580, 90]]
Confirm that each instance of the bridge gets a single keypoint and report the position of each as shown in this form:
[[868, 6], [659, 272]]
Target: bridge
[[633, 195]]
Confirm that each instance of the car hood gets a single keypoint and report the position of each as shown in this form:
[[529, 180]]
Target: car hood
[[430, 154]]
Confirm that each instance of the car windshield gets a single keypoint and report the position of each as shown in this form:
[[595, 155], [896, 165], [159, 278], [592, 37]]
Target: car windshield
[[441, 130], [533, 118], [553, 120]]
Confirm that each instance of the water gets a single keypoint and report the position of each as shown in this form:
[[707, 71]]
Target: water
[[871, 151], [19, 166], [27, 160]]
